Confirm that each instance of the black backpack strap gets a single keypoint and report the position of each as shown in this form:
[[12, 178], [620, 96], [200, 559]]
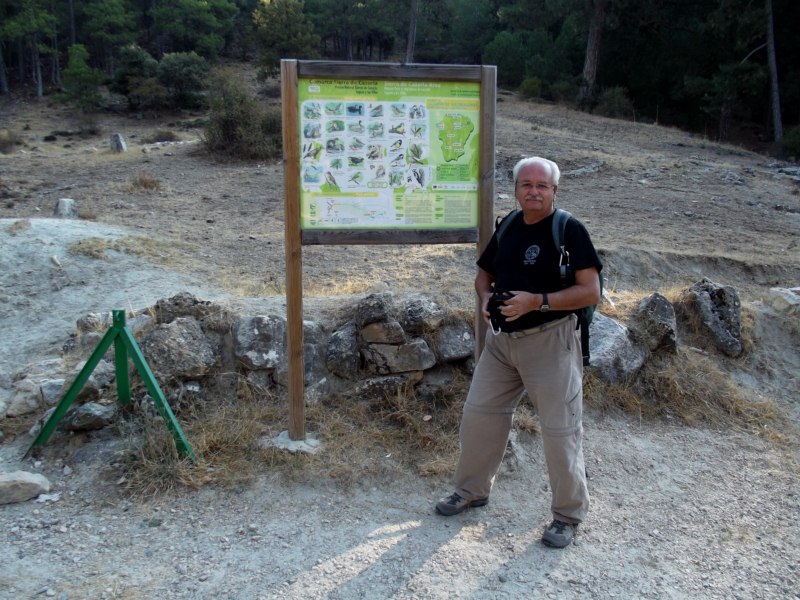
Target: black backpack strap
[[502, 224], [583, 323], [560, 218]]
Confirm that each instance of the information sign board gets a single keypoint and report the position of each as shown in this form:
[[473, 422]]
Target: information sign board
[[396, 154]]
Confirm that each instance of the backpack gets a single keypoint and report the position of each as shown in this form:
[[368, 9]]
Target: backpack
[[560, 218]]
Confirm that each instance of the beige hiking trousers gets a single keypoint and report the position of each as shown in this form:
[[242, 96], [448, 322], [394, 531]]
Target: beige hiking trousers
[[546, 361]]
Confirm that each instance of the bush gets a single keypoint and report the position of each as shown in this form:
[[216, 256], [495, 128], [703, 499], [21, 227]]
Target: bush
[[184, 74], [531, 87], [135, 65], [8, 141], [238, 124], [146, 92], [790, 143], [614, 102], [144, 181], [561, 91]]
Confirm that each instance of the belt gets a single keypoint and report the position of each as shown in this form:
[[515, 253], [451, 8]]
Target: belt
[[538, 328]]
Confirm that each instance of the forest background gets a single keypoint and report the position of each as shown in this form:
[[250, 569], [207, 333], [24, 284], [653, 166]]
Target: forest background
[[729, 69]]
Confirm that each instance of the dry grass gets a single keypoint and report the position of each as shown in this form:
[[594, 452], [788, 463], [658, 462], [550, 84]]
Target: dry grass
[[160, 251], [144, 182], [694, 389], [9, 141], [402, 433], [360, 438], [17, 226]]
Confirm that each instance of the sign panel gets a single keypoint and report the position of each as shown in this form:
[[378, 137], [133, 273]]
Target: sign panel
[[388, 154]]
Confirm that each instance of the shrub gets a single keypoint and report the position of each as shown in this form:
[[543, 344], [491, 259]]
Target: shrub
[[184, 74], [531, 87], [561, 91], [146, 92], [144, 181], [614, 102], [134, 65], [790, 143], [8, 141], [238, 124]]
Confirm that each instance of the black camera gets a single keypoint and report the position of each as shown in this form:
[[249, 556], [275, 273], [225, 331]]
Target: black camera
[[496, 302]]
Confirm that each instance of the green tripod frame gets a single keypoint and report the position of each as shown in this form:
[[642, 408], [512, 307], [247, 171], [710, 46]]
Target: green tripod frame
[[124, 346]]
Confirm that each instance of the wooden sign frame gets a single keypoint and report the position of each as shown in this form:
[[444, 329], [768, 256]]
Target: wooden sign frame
[[295, 237]]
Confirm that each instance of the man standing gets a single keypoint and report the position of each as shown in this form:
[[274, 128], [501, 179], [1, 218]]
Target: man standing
[[533, 345]]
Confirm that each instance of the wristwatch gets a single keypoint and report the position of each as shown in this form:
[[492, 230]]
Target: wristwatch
[[545, 306]]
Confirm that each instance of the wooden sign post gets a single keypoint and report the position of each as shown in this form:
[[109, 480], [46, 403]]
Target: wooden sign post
[[381, 153]]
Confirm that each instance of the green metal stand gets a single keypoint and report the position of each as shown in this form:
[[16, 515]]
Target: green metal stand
[[124, 346]]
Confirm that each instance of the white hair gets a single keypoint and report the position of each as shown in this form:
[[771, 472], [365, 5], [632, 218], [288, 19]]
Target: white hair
[[555, 172]]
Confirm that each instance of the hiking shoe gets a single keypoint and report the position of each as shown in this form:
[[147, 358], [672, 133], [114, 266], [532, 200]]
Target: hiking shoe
[[454, 504], [559, 534]]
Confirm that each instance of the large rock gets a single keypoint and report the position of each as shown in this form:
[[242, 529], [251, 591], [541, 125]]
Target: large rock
[[420, 314], [382, 387], [260, 342], [383, 332], [89, 417], [180, 350], [118, 143], [19, 486], [785, 300], [313, 356], [615, 358], [454, 341], [373, 308], [342, 354], [717, 311], [384, 359], [66, 208], [653, 324]]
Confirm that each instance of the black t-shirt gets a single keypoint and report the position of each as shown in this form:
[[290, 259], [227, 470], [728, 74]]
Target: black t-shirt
[[528, 260]]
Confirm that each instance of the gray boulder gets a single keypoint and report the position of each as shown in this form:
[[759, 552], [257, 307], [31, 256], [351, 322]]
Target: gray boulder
[[260, 342], [653, 324], [66, 208], [373, 308], [454, 341], [118, 143], [717, 311], [383, 332], [180, 350], [420, 314], [383, 359], [341, 354], [89, 417], [615, 358], [19, 486]]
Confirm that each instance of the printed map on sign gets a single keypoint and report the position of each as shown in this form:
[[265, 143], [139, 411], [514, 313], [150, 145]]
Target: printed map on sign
[[388, 154]]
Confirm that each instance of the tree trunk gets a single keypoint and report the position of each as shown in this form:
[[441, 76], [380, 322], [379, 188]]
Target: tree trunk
[[775, 94], [71, 10], [725, 117], [3, 75], [588, 89], [37, 66], [411, 42]]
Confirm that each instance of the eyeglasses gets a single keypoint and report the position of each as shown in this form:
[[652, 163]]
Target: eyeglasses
[[540, 186]]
